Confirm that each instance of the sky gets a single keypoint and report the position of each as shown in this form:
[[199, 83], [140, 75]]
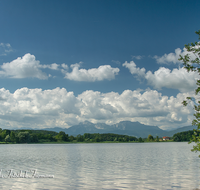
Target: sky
[[105, 61]]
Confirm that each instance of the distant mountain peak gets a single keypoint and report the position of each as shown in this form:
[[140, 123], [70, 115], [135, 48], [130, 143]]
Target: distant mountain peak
[[124, 128], [130, 122], [86, 122]]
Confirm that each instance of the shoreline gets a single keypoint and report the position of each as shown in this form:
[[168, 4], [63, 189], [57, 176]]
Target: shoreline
[[4, 143]]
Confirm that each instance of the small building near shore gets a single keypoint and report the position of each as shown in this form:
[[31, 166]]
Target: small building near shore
[[166, 138]]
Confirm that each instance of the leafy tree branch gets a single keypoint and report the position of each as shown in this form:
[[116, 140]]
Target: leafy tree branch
[[193, 65]]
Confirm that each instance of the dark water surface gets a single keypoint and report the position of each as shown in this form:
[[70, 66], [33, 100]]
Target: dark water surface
[[99, 166]]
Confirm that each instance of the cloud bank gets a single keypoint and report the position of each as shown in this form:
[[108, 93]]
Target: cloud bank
[[39, 108]]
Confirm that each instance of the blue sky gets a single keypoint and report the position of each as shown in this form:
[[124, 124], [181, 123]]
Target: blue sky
[[63, 62]]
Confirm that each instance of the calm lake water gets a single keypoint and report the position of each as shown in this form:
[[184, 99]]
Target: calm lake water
[[99, 166]]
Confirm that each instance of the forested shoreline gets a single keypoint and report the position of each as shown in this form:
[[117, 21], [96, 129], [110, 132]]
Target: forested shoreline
[[44, 136]]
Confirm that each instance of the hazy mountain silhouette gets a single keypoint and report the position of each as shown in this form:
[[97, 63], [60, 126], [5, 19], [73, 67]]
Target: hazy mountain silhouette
[[123, 128]]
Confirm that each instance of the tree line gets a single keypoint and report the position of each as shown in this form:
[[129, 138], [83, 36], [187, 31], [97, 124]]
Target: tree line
[[185, 136], [42, 136]]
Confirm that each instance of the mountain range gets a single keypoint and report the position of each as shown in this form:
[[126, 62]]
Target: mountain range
[[123, 128]]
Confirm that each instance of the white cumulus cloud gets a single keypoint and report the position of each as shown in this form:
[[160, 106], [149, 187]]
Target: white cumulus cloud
[[26, 67], [52, 66], [103, 72], [64, 66], [173, 57], [133, 69], [23, 67], [176, 79]]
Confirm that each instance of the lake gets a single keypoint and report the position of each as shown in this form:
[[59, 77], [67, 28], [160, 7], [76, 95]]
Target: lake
[[99, 166]]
